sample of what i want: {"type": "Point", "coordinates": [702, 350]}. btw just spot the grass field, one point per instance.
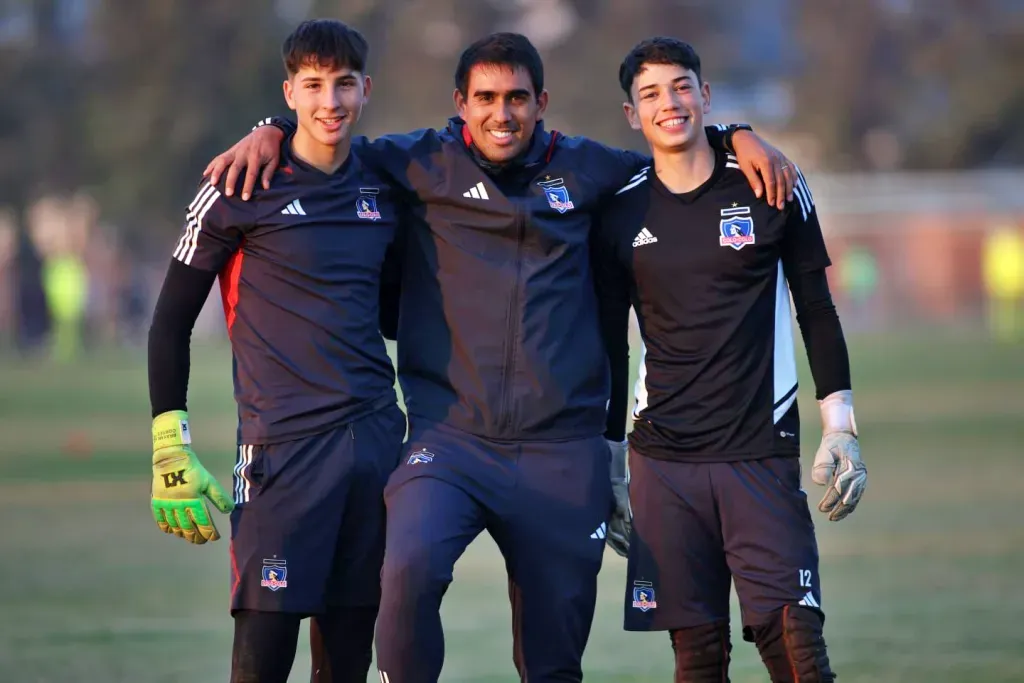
{"type": "Point", "coordinates": [925, 583]}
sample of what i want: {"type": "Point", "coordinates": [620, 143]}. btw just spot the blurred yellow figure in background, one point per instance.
{"type": "Point", "coordinates": [1003, 273]}
{"type": "Point", "coordinates": [65, 282]}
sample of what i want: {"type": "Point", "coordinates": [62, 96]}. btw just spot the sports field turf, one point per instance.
{"type": "Point", "coordinates": [925, 583]}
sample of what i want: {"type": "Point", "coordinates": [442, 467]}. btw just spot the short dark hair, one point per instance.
{"type": "Point", "coordinates": [501, 49]}
{"type": "Point", "coordinates": [657, 50]}
{"type": "Point", "coordinates": [327, 43]}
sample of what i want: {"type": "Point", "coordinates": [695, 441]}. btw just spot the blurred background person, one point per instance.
{"type": "Point", "coordinates": [1003, 268]}
{"type": "Point", "coordinates": [857, 272]}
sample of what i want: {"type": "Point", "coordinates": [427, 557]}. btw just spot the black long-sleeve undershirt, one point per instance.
{"type": "Point", "coordinates": [819, 324]}
{"type": "Point", "coordinates": [182, 296]}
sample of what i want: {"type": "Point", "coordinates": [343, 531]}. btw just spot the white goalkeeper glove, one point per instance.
{"type": "Point", "coordinates": [837, 464]}
{"type": "Point", "coordinates": [621, 522]}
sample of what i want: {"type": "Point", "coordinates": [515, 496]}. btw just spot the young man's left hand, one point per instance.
{"type": "Point", "coordinates": [758, 160]}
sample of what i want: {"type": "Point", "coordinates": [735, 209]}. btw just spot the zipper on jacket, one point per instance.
{"type": "Point", "coordinates": [512, 345]}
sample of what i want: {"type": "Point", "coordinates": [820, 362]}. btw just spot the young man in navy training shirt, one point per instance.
{"type": "Point", "coordinates": [319, 425]}
{"type": "Point", "coordinates": [502, 365]}
{"type": "Point", "coordinates": [714, 468]}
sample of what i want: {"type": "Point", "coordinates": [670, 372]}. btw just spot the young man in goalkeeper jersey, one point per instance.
{"type": "Point", "coordinates": [714, 453]}
{"type": "Point", "coordinates": [301, 270]}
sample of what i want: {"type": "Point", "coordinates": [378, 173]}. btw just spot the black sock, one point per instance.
{"type": "Point", "coordinates": [264, 647]}
{"type": "Point", "coordinates": [347, 638]}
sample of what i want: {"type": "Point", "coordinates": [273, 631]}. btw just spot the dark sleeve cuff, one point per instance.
{"type": "Point", "coordinates": [615, 330]}
{"type": "Point", "coordinates": [286, 125]}
{"type": "Point", "coordinates": [391, 286]}
{"type": "Point", "coordinates": [615, 427]}
{"type": "Point", "coordinates": [181, 300]}
{"type": "Point", "coordinates": [720, 136]}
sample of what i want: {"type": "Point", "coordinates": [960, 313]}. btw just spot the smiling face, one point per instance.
{"type": "Point", "coordinates": [668, 105]}
{"type": "Point", "coordinates": [327, 101]}
{"type": "Point", "coordinates": [500, 109]}
{"type": "Point", "coordinates": [326, 86]}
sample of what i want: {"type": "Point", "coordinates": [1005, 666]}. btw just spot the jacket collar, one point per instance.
{"type": "Point", "coordinates": [539, 152]}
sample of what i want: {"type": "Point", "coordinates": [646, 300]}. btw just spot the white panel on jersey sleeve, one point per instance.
{"type": "Point", "coordinates": [640, 388]}
{"type": "Point", "coordinates": [785, 355]}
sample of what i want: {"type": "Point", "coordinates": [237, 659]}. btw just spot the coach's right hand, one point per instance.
{"type": "Point", "coordinates": [621, 522]}
{"type": "Point", "coordinates": [260, 149]}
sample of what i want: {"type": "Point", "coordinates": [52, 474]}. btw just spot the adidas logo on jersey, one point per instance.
{"type": "Point", "coordinates": [478, 191]}
{"type": "Point", "coordinates": [644, 237]}
{"type": "Point", "coordinates": [294, 209]}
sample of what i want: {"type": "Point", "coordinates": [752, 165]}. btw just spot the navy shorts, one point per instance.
{"type": "Point", "coordinates": [698, 527]}
{"type": "Point", "coordinates": [308, 531]}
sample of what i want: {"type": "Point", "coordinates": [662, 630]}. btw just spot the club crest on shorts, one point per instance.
{"type": "Point", "coordinates": [366, 205]}
{"type": "Point", "coordinates": [736, 227]}
{"type": "Point", "coordinates": [420, 456]}
{"type": "Point", "coordinates": [557, 194]}
{"type": "Point", "coordinates": [643, 596]}
{"type": "Point", "coordinates": [275, 574]}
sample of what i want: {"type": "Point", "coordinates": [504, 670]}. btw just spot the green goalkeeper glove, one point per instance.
{"type": "Point", "coordinates": [180, 482]}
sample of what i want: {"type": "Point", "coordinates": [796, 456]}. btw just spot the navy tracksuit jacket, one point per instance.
{"type": "Point", "coordinates": [498, 334]}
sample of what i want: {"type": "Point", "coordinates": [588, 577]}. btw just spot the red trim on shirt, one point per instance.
{"type": "Point", "coordinates": [229, 278]}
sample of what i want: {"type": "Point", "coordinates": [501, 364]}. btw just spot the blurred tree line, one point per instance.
{"type": "Point", "coordinates": [127, 100]}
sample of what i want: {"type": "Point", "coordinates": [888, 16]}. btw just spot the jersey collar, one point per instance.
{"type": "Point", "coordinates": [292, 165]}
{"type": "Point", "coordinates": [696, 193]}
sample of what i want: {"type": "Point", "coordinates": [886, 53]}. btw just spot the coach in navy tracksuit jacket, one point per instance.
{"type": "Point", "coordinates": [507, 383]}
{"type": "Point", "coordinates": [506, 380]}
